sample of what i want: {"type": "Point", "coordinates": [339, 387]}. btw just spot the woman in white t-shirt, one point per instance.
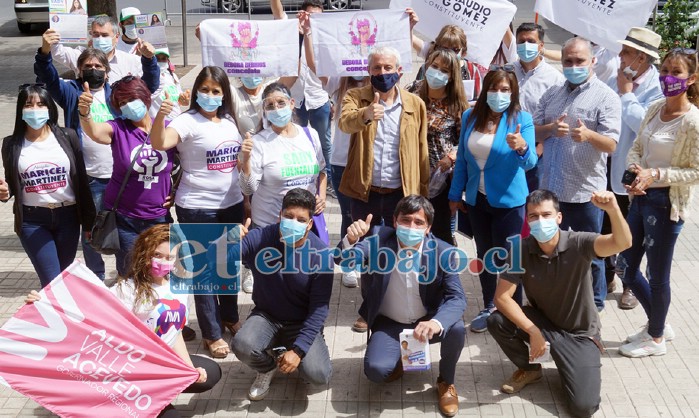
{"type": "Point", "coordinates": [146, 292]}
{"type": "Point", "coordinates": [280, 158]}
{"type": "Point", "coordinates": [169, 88]}
{"type": "Point", "coordinates": [208, 142]}
{"type": "Point", "coordinates": [45, 172]}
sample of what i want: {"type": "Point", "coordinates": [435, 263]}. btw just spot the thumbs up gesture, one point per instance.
{"type": "Point", "coordinates": [581, 133]}
{"type": "Point", "coordinates": [244, 228]}
{"type": "Point", "coordinates": [515, 140]}
{"type": "Point", "coordinates": [166, 107]}
{"type": "Point", "coordinates": [374, 111]}
{"type": "Point", "coordinates": [358, 229]}
{"type": "Point", "coordinates": [246, 148]}
{"type": "Point", "coordinates": [85, 101]}
{"type": "Point", "coordinates": [4, 190]}
{"type": "Point", "coordinates": [145, 48]}
{"type": "Point", "coordinates": [185, 97]}
{"type": "Point", "coordinates": [560, 127]}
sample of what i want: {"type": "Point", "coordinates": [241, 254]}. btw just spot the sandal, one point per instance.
{"type": "Point", "coordinates": [218, 348]}
{"type": "Point", "coordinates": [232, 327]}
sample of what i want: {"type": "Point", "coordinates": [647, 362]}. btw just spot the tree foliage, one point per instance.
{"type": "Point", "coordinates": [676, 25]}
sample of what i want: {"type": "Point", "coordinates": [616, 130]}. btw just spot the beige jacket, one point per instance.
{"type": "Point", "coordinates": [413, 153]}
{"type": "Point", "coordinates": [683, 172]}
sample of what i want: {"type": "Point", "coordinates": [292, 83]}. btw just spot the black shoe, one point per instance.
{"type": "Point", "coordinates": [188, 334]}
{"type": "Point", "coordinates": [330, 192]}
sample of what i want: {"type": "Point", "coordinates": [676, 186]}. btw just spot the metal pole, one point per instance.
{"type": "Point", "coordinates": [655, 16]}
{"type": "Point", "coordinates": [184, 30]}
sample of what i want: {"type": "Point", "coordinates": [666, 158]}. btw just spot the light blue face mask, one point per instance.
{"type": "Point", "coordinates": [435, 78]}
{"type": "Point", "coordinates": [498, 101]}
{"type": "Point", "coordinates": [209, 103]}
{"type": "Point", "coordinates": [292, 231]}
{"type": "Point", "coordinates": [134, 110]}
{"type": "Point", "coordinates": [543, 230]}
{"type": "Point", "coordinates": [409, 237]}
{"type": "Point", "coordinates": [251, 82]}
{"type": "Point", "coordinates": [527, 51]}
{"type": "Point", "coordinates": [104, 44]}
{"type": "Point", "coordinates": [36, 118]}
{"type": "Point", "coordinates": [576, 75]}
{"type": "Point", "coordinates": [358, 77]}
{"type": "Point", "coordinates": [279, 117]}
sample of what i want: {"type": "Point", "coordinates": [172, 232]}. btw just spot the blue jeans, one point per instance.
{"type": "Point", "coordinates": [50, 238]}
{"type": "Point", "coordinates": [586, 217]}
{"type": "Point", "coordinates": [260, 333]}
{"type": "Point", "coordinates": [320, 121]}
{"type": "Point", "coordinates": [344, 201]}
{"type": "Point", "coordinates": [383, 350]}
{"type": "Point", "coordinates": [213, 310]}
{"type": "Point", "coordinates": [491, 228]}
{"type": "Point", "coordinates": [93, 259]}
{"type": "Point", "coordinates": [129, 229]}
{"type": "Point", "coordinates": [655, 235]}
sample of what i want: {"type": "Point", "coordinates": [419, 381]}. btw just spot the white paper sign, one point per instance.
{"type": "Point", "coordinates": [414, 355]}
{"type": "Point", "coordinates": [150, 28]}
{"type": "Point", "coordinates": [469, 88]}
{"type": "Point", "coordinates": [484, 21]}
{"type": "Point", "coordinates": [251, 48]}
{"type": "Point", "coordinates": [69, 18]}
{"type": "Point", "coordinates": [342, 41]}
{"type": "Point", "coordinates": [604, 22]}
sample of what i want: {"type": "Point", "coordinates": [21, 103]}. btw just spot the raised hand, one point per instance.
{"type": "Point", "coordinates": [358, 229]}
{"type": "Point", "coordinates": [246, 148]}
{"type": "Point", "coordinates": [145, 48]}
{"type": "Point", "coordinates": [85, 101]}
{"type": "Point", "coordinates": [50, 37]}
{"type": "Point", "coordinates": [166, 107]}
{"type": "Point", "coordinates": [515, 140]}
{"type": "Point", "coordinates": [560, 127]}
{"type": "Point", "coordinates": [581, 133]}
{"type": "Point", "coordinates": [375, 110]}
{"type": "Point", "coordinates": [604, 200]}
{"type": "Point", "coordinates": [185, 97]}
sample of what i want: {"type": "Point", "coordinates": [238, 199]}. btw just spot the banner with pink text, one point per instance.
{"type": "Point", "coordinates": [80, 353]}
{"type": "Point", "coordinates": [342, 41]}
{"type": "Point", "coordinates": [251, 48]}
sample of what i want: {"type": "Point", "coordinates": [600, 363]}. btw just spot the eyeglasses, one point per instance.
{"type": "Point", "coordinates": [510, 68]}
{"type": "Point", "coordinates": [28, 85]}
{"type": "Point", "coordinates": [276, 104]}
{"type": "Point", "coordinates": [127, 79]}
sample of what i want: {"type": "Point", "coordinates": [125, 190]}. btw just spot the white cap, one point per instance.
{"type": "Point", "coordinates": [127, 12]}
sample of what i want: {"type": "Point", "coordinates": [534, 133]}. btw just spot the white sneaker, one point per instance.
{"type": "Point", "coordinates": [247, 280]}
{"type": "Point", "coordinates": [350, 278]}
{"type": "Point", "coordinates": [642, 334]}
{"type": "Point", "coordinates": [643, 349]}
{"type": "Point", "coordinates": [260, 386]}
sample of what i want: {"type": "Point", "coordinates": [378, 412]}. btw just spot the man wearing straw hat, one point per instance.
{"type": "Point", "coordinates": [638, 86]}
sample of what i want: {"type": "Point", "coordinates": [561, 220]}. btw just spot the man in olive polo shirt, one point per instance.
{"type": "Point", "coordinates": [561, 312]}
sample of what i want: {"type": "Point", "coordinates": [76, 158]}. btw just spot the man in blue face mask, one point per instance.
{"type": "Point", "coordinates": [398, 296]}
{"type": "Point", "coordinates": [578, 121]}
{"type": "Point", "coordinates": [561, 317]}
{"type": "Point", "coordinates": [291, 299]}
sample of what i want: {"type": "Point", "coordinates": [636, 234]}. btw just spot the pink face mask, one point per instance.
{"type": "Point", "coordinates": [160, 267]}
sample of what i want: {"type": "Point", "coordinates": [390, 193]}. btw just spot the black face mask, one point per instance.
{"type": "Point", "coordinates": [94, 78]}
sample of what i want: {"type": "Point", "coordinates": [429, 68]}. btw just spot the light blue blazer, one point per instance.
{"type": "Point", "coordinates": [504, 171]}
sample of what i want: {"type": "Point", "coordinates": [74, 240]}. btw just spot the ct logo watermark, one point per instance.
{"type": "Point", "coordinates": [207, 259]}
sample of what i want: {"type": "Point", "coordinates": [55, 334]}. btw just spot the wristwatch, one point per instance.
{"type": "Point", "coordinates": [298, 352]}
{"type": "Point", "coordinates": [655, 173]}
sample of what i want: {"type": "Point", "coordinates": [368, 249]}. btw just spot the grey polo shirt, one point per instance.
{"type": "Point", "coordinates": [560, 286]}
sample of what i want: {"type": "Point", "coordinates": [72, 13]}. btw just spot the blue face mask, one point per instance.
{"type": "Point", "coordinates": [209, 103]}
{"type": "Point", "coordinates": [527, 51]}
{"type": "Point", "coordinates": [544, 230]}
{"type": "Point", "coordinates": [358, 77]}
{"type": "Point", "coordinates": [251, 82]}
{"type": "Point", "coordinates": [134, 110]}
{"type": "Point", "coordinates": [576, 75]}
{"type": "Point", "coordinates": [435, 78]}
{"type": "Point", "coordinates": [498, 101]}
{"type": "Point", "coordinates": [279, 117]}
{"type": "Point", "coordinates": [291, 230]}
{"type": "Point", "coordinates": [384, 82]}
{"type": "Point", "coordinates": [36, 118]}
{"type": "Point", "coordinates": [409, 237]}
{"type": "Point", "coordinates": [104, 44]}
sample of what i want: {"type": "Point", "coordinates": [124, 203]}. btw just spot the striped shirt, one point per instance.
{"type": "Point", "coordinates": [571, 169]}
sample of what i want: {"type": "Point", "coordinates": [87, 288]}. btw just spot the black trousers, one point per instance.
{"type": "Point", "coordinates": [577, 357]}
{"type": "Point", "coordinates": [213, 375]}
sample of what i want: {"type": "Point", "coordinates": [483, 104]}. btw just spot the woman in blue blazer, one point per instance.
{"type": "Point", "coordinates": [495, 149]}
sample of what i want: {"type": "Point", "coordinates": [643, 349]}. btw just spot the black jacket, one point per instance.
{"type": "Point", "coordinates": [69, 141]}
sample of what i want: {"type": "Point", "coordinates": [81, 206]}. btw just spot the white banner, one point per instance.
{"type": "Point", "coordinates": [251, 48]}
{"type": "Point", "coordinates": [342, 41]}
{"type": "Point", "coordinates": [484, 21]}
{"type": "Point", "coordinates": [604, 22]}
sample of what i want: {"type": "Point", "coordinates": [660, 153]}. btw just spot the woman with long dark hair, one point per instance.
{"type": "Point", "coordinates": [665, 160]}
{"type": "Point", "coordinates": [45, 172]}
{"type": "Point", "coordinates": [495, 149]}
{"type": "Point", "coordinates": [443, 92]}
{"type": "Point", "coordinates": [207, 141]}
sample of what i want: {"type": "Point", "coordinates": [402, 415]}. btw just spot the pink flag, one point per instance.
{"type": "Point", "coordinates": [80, 353]}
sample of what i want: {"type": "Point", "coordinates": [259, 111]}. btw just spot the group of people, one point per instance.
{"type": "Point", "coordinates": [535, 152]}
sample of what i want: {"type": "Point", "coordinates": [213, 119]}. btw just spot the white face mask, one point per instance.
{"type": "Point", "coordinates": [164, 66]}
{"type": "Point", "coordinates": [628, 72]}
{"type": "Point", "coordinates": [130, 31]}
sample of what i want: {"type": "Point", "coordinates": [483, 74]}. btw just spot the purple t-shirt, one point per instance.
{"type": "Point", "coordinates": [149, 183]}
